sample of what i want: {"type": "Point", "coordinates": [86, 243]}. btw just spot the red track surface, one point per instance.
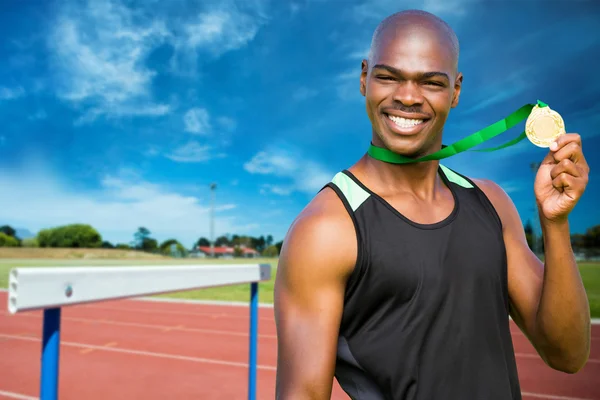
{"type": "Point", "coordinates": [155, 350]}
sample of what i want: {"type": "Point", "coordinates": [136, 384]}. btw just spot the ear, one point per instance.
{"type": "Point", "coordinates": [363, 77]}
{"type": "Point", "coordinates": [457, 88]}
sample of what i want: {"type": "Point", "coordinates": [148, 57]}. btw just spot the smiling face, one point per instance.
{"type": "Point", "coordinates": [410, 85]}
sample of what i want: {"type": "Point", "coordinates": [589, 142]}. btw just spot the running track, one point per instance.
{"type": "Point", "coordinates": [133, 349]}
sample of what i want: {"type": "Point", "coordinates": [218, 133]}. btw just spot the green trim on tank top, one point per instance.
{"type": "Point", "coordinates": [355, 195]}
{"type": "Point", "coordinates": [454, 177]}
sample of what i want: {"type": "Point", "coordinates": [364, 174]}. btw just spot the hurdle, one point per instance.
{"type": "Point", "coordinates": [51, 288]}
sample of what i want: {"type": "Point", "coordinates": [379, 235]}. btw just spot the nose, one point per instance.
{"type": "Point", "coordinates": [408, 93]}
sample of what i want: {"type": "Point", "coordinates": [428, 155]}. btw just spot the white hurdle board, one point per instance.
{"type": "Point", "coordinates": [35, 288]}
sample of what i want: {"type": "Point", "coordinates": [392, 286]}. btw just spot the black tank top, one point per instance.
{"type": "Point", "coordinates": [426, 308]}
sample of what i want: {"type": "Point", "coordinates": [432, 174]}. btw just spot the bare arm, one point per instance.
{"type": "Point", "coordinates": [548, 300]}
{"type": "Point", "coordinates": [316, 258]}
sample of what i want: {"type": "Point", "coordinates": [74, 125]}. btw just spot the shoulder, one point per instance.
{"type": "Point", "coordinates": [500, 200]}
{"type": "Point", "coordinates": [321, 237]}
{"type": "Point", "coordinates": [493, 191]}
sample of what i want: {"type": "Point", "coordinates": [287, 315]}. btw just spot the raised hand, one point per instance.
{"type": "Point", "coordinates": [561, 178]}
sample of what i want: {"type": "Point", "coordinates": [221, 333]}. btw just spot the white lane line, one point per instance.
{"type": "Point", "coordinates": [550, 396]}
{"type": "Point", "coordinates": [13, 395]}
{"type": "Point", "coordinates": [536, 356]}
{"type": "Point", "coordinates": [146, 353]}
{"type": "Point", "coordinates": [594, 321]}
{"type": "Point", "coordinates": [149, 326]}
{"type": "Point", "coordinates": [173, 312]}
{"type": "Point", "coordinates": [242, 304]}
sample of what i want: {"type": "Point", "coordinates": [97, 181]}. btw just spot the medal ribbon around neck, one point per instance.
{"type": "Point", "coordinates": [466, 143]}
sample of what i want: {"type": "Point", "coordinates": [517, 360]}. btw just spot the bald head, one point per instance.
{"type": "Point", "coordinates": [419, 25]}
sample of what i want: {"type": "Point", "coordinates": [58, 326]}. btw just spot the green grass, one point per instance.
{"type": "Point", "coordinates": [590, 273]}
{"type": "Point", "coordinates": [227, 293]}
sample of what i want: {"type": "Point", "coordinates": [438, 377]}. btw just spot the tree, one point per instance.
{"type": "Point", "coordinates": [578, 241]}
{"type": "Point", "coordinates": [529, 234]}
{"type": "Point", "coordinates": [589, 242]}
{"type": "Point", "coordinates": [237, 251]}
{"type": "Point", "coordinates": [271, 251]}
{"type": "Point", "coordinates": [149, 245]}
{"type": "Point", "coordinates": [73, 235]}
{"type": "Point", "coordinates": [259, 243]}
{"type": "Point", "coordinates": [203, 242]}
{"type": "Point", "coordinates": [8, 241]}
{"type": "Point", "coordinates": [592, 237]}
{"type": "Point", "coordinates": [222, 241]}
{"type": "Point", "coordinates": [8, 230]}
{"type": "Point", "coordinates": [166, 248]}
{"type": "Point", "coordinates": [140, 236]}
{"type": "Point", "coordinates": [30, 242]}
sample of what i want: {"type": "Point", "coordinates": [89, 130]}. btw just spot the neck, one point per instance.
{"type": "Point", "coordinates": [420, 179]}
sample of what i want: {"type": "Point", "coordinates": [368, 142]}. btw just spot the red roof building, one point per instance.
{"type": "Point", "coordinates": [227, 251]}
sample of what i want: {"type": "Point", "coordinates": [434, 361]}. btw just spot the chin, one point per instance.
{"type": "Point", "coordinates": [407, 147]}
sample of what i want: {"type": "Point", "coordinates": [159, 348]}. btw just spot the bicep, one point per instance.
{"type": "Point", "coordinates": [309, 294]}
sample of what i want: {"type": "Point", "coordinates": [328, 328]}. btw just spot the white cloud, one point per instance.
{"type": "Point", "coordinates": [512, 186]}
{"type": "Point", "coordinates": [122, 110]}
{"type": "Point", "coordinates": [99, 50]}
{"type": "Point", "coordinates": [197, 120]}
{"type": "Point", "coordinates": [361, 54]}
{"type": "Point", "coordinates": [194, 152]}
{"type": "Point", "coordinates": [301, 174]}
{"type": "Point", "coordinates": [225, 207]}
{"type": "Point", "coordinates": [276, 189]}
{"type": "Point", "coordinates": [227, 27]}
{"type": "Point", "coordinates": [11, 93]}
{"type": "Point", "coordinates": [269, 162]}
{"type": "Point", "coordinates": [375, 10]}
{"type": "Point", "coordinates": [98, 53]}
{"type": "Point", "coordinates": [123, 202]}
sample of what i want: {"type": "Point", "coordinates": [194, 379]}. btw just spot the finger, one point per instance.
{"type": "Point", "coordinates": [563, 181]}
{"type": "Point", "coordinates": [564, 140]}
{"type": "Point", "coordinates": [566, 166]}
{"type": "Point", "coordinates": [571, 151]}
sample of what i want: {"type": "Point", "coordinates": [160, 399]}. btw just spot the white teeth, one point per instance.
{"type": "Point", "coordinates": [404, 122]}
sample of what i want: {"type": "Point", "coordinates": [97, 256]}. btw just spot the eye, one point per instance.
{"type": "Point", "coordinates": [384, 77]}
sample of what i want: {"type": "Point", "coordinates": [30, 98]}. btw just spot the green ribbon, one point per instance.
{"type": "Point", "coordinates": [466, 143]}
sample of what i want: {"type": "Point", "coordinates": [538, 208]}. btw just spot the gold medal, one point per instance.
{"type": "Point", "coordinates": [544, 126]}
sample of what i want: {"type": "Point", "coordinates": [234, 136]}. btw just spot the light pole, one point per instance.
{"type": "Point", "coordinates": [213, 186]}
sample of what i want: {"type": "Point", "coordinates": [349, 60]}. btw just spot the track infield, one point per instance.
{"type": "Point", "coordinates": [168, 349]}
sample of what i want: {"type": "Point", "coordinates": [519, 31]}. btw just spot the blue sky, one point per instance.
{"type": "Point", "coordinates": [121, 113]}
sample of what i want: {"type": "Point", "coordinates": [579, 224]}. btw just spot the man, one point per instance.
{"type": "Point", "coordinates": [398, 279]}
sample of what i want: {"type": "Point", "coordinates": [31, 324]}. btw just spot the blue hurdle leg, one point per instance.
{"type": "Point", "coordinates": [50, 354]}
{"type": "Point", "coordinates": [253, 340]}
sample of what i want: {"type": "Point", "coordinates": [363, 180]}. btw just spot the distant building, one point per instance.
{"type": "Point", "coordinates": [225, 252]}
